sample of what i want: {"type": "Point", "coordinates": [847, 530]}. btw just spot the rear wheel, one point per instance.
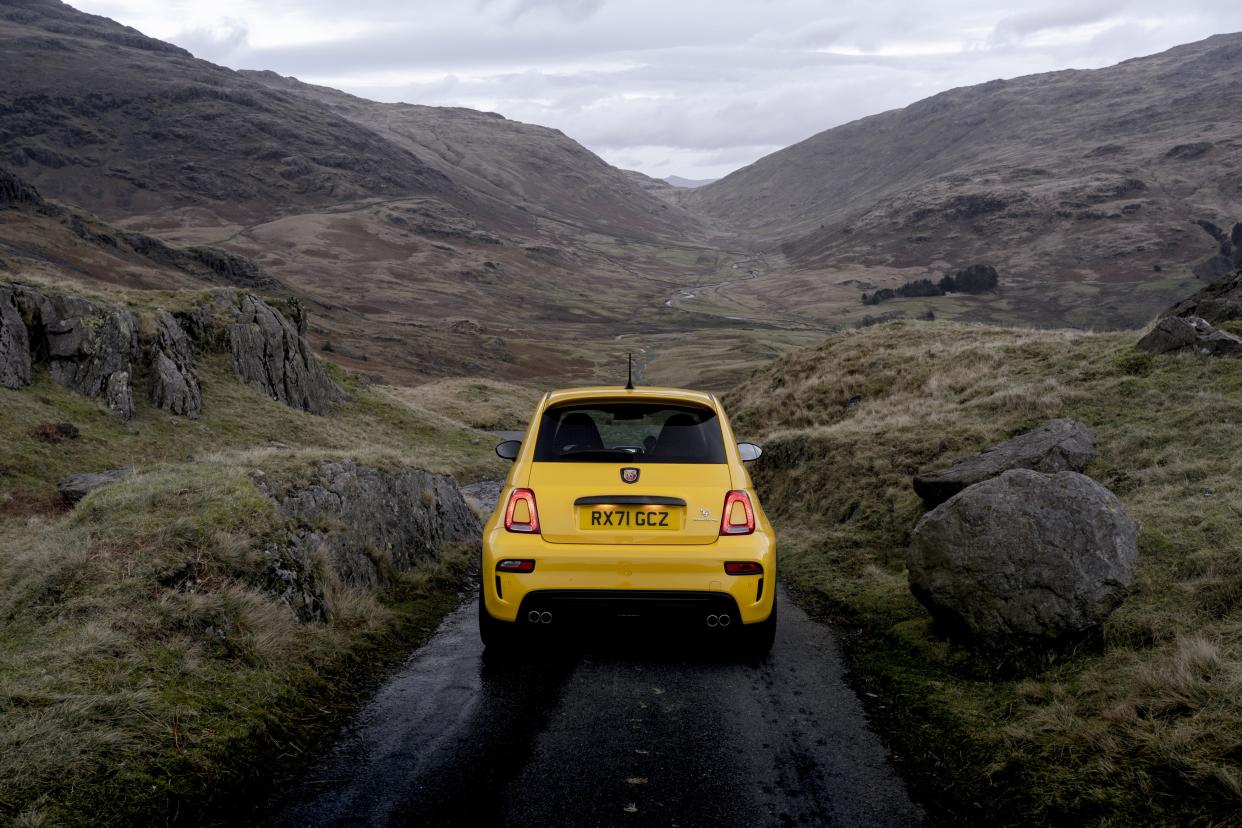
{"type": "Point", "coordinates": [496, 635]}
{"type": "Point", "coordinates": [760, 637]}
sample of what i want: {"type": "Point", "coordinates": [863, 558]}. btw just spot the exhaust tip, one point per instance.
{"type": "Point", "coordinates": [712, 620]}
{"type": "Point", "coordinates": [545, 617]}
{"type": "Point", "coordinates": [533, 616]}
{"type": "Point", "coordinates": [724, 620]}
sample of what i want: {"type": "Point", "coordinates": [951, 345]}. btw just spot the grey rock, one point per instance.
{"type": "Point", "coordinates": [269, 353]}
{"type": "Point", "coordinates": [1177, 333]}
{"type": "Point", "coordinates": [1057, 445]}
{"type": "Point", "coordinates": [89, 348]}
{"type": "Point", "coordinates": [366, 524]}
{"type": "Point", "coordinates": [174, 384]}
{"type": "Point", "coordinates": [1220, 301]}
{"type": "Point", "coordinates": [73, 489]}
{"type": "Point", "coordinates": [15, 367]}
{"type": "Point", "coordinates": [1024, 557]}
{"type": "Point", "coordinates": [483, 495]}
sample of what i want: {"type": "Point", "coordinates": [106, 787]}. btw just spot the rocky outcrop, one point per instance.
{"type": "Point", "coordinates": [92, 348]}
{"type": "Point", "coordinates": [1057, 445]}
{"type": "Point", "coordinates": [89, 347]}
{"type": "Point", "coordinates": [366, 524]}
{"type": "Point", "coordinates": [73, 489]}
{"type": "Point", "coordinates": [174, 385]}
{"type": "Point", "coordinates": [1024, 557]}
{"type": "Point", "coordinates": [269, 353]}
{"type": "Point", "coordinates": [1228, 256]}
{"type": "Point", "coordinates": [1176, 333]}
{"type": "Point", "coordinates": [209, 263]}
{"type": "Point", "coordinates": [15, 192]}
{"type": "Point", "coordinates": [15, 368]}
{"type": "Point", "coordinates": [1218, 302]}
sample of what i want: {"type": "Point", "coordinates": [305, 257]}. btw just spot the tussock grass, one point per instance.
{"type": "Point", "coordinates": [1142, 726]}
{"type": "Point", "coordinates": [147, 673]}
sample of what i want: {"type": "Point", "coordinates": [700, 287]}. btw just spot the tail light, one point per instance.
{"type": "Point", "coordinates": [516, 565]}
{"type": "Point", "coordinates": [743, 568]}
{"type": "Point", "coordinates": [521, 514]}
{"type": "Point", "coordinates": [738, 517]}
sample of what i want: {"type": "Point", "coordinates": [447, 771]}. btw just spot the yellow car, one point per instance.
{"type": "Point", "coordinates": [629, 504]}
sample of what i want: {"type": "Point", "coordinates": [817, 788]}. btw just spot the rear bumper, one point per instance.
{"type": "Point", "coordinates": [652, 582]}
{"type": "Point", "coordinates": [574, 607]}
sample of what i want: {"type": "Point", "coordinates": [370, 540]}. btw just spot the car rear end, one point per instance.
{"type": "Point", "coordinates": [628, 504]}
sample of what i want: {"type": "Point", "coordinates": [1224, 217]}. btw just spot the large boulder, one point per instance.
{"type": "Point", "coordinates": [269, 353]}
{"type": "Point", "coordinates": [1191, 333]}
{"type": "Point", "coordinates": [367, 524]}
{"type": "Point", "coordinates": [174, 385]}
{"type": "Point", "coordinates": [73, 489]}
{"type": "Point", "coordinates": [15, 368]}
{"type": "Point", "coordinates": [1057, 445]}
{"type": "Point", "coordinates": [1024, 557]}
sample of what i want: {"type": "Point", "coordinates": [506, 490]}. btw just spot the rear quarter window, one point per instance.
{"type": "Point", "coordinates": [629, 432]}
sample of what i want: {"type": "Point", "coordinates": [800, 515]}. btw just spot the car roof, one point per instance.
{"type": "Point", "coordinates": [644, 394]}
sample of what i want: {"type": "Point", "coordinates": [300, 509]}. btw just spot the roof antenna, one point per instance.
{"type": "Point", "coordinates": [629, 378]}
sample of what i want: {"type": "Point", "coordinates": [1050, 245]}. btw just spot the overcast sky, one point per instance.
{"type": "Point", "coordinates": [688, 87]}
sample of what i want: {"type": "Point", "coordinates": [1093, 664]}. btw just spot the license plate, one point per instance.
{"type": "Point", "coordinates": [629, 519]}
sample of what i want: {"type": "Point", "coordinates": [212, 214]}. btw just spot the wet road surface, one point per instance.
{"type": "Point", "coordinates": [626, 732]}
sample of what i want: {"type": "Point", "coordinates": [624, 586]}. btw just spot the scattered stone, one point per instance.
{"type": "Point", "coordinates": [269, 353]}
{"type": "Point", "coordinates": [1057, 445]}
{"type": "Point", "coordinates": [174, 385]}
{"type": "Point", "coordinates": [15, 367]}
{"type": "Point", "coordinates": [1024, 556]}
{"type": "Point", "coordinates": [1176, 333]}
{"type": "Point", "coordinates": [73, 489]}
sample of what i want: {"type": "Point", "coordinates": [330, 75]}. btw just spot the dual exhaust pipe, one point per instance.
{"type": "Point", "coordinates": [545, 617]}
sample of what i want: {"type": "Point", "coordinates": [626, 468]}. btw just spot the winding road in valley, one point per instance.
{"type": "Point", "coordinates": [626, 731]}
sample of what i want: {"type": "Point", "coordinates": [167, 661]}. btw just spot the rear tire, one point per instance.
{"type": "Point", "coordinates": [760, 637]}
{"type": "Point", "coordinates": [497, 635]}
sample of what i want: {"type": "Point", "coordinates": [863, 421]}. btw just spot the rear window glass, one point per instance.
{"type": "Point", "coordinates": [630, 433]}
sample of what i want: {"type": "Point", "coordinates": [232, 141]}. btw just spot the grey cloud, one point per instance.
{"type": "Point", "coordinates": [568, 9]}
{"type": "Point", "coordinates": [704, 84]}
{"type": "Point", "coordinates": [1056, 17]}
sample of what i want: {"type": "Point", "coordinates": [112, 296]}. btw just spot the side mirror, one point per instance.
{"type": "Point", "coordinates": [508, 450]}
{"type": "Point", "coordinates": [749, 452]}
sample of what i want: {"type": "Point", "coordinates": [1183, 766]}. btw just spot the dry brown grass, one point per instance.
{"type": "Point", "coordinates": [1147, 726]}
{"type": "Point", "coordinates": [475, 401]}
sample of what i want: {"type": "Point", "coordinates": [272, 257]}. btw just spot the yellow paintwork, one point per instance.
{"type": "Point", "coordinates": [696, 566]}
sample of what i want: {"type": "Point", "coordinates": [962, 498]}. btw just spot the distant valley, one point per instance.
{"type": "Point", "coordinates": [432, 242]}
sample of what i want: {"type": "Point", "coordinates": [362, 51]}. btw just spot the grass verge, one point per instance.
{"type": "Point", "coordinates": [148, 672]}
{"type": "Point", "coordinates": [1143, 725]}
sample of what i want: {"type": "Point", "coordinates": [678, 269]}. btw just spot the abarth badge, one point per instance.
{"type": "Point", "coordinates": [629, 475]}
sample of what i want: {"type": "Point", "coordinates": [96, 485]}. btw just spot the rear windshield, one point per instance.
{"type": "Point", "coordinates": [629, 432]}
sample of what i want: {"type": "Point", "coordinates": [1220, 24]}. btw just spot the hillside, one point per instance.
{"type": "Point", "coordinates": [1074, 180]}
{"type": "Point", "coordinates": [423, 237]}
{"type": "Point", "coordinates": [1139, 727]}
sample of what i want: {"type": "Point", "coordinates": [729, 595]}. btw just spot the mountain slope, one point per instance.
{"type": "Point", "coordinates": [535, 168]}
{"type": "Point", "coordinates": [1063, 176]}
{"type": "Point", "coordinates": [430, 241]}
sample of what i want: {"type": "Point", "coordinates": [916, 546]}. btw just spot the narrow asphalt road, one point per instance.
{"type": "Point", "coordinates": [625, 732]}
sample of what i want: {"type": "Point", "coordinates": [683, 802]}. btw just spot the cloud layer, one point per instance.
{"type": "Point", "coordinates": [694, 88]}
